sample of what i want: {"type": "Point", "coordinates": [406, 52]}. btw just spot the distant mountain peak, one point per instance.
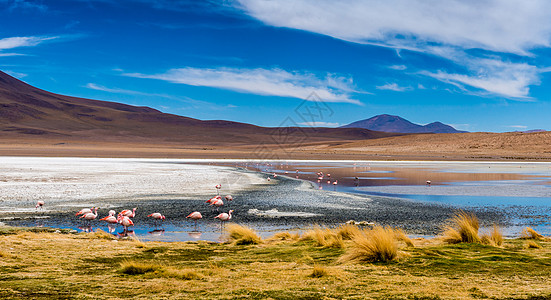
{"type": "Point", "coordinates": [391, 123]}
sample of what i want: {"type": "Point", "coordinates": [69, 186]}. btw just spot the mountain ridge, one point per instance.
{"type": "Point", "coordinates": [397, 124]}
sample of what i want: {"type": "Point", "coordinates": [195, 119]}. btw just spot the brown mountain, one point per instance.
{"type": "Point", "coordinates": [389, 123]}
{"type": "Point", "coordinates": [29, 112]}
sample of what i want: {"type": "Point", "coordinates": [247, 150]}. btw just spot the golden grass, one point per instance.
{"type": "Point", "coordinates": [324, 237]}
{"type": "Point", "coordinates": [372, 245]}
{"type": "Point", "coordinates": [71, 266]}
{"type": "Point", "coordinates": [493, 238]}
{"type": "Point", "coordinates": [130, 267]}
{"type": "Point", "coordinates": [532, 245]}
{"type": "Point", "coordinates": [242, 235]}
{"type": "Point", "coordinates": [182, 274]}
{"type": "Point", "coordinates": [402, 236]}
{"type": "Point", "coordinates": [319, 271]}
{"type": "Point", "coordinates": [530, 234]}
{"type": "Point", "coordinates": [100, 234]}
{"type": "Point", "coordinates": [462, 228]}
{"type": "Point", "coordinates": [285, 236]}
{"type": "Point", "coordinates": [347, 231]}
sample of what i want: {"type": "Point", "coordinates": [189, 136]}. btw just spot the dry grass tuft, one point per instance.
{"type": "Point", "coordinates": [324, 237]}
{"type": "Point", "coordinates": [530, 234]}
{"type": "Point", "coordinates": [185, 274]}
{"type": "Point", "coordinates": [319, 271]}
{"type": "Point", "coordinates": [242, 235]}
{"type": "Point", "coordinates": [285, 236]}
{"type": "Point", "coordinates": [532, 245]}
{"type": "Point", "coordinates": [347, 231]}
{"type": "Point", "coordinates": [493, 238]}
{"type": "Point", "coordinates": [5, 254]}
{"type": "Point", "coordinates": [402, 236]}
{"type": "Point", "coordinates": [100, 234]}
{"type": "Point", "coordinates": [137, 242]}
{"type": "Point", "coordinates": [372, 245]}
{"type": "Point", "coordinates": [136, 268]}
{"type": "Point", "coordinates": [462, 228]}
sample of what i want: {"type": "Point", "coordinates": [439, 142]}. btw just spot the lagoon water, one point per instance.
{"type": "Point", "coordinates": [514, 195]}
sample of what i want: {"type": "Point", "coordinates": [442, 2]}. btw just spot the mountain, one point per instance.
{"type": "Point", "coordinates": [389, 123]}
{"type": "Point", "coordinates": [26, 112]}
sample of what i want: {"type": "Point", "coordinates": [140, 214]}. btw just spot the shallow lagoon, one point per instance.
{"type": "Point", "coordinates": [391, 193]}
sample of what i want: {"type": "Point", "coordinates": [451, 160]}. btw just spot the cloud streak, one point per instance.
{"type": "Point", "coordinates": [394, 87]}
{"type": "Point", "coordinates": [266, 82]}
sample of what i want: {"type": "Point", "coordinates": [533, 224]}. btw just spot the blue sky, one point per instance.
{"type": "Point", "coordinates": [477, 65]}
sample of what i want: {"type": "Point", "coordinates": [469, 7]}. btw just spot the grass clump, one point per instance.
{"type": "Point", "coordinates": [136, 268]}
{"type": "Point", "coordinates": [462, 228]}
{"type": "Point", "coordinates": [530, 234]}
{"type": "Point", "coordinates": [493, 238]}
{"type": "Point", "coordinates": [372, 245]}
{"type": "Point", "coordinates": [242, 235]}
{"type": "Point", "coordinates": [285, 236]}
{"type": "Point", "coordinates": [185, 274]}
{"type": "Point", "coordinates": [100, 234]}
{"type": "Point", "coordinates": [347, 231]}
{"type": "Point", "coordinates": [402, 236]}
{"type": "Point", "coordinates": [319, 271]}
{"type": "Point", "coordinates": [324, 237]}
{"type": "Point", "coordinates": [532, 245]}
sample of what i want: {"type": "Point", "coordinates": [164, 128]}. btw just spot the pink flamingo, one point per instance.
{"type": "Point", "coordinates": [90, 216]}
{"type": "Point", "coordinates": [157, 217]}
{"type": "Point", "coordinates": [84, 211]}
{"type": "Point", "coordinates": [229, 198]}
{"type": "Point", "coordinates": [112, 212]}
{"type": "Point", "coordinates": [39, 204]}
{"type": "Point", "coordinates": [195, 216]}
{"type": "Point", "coordinates": [218, 187]}
{"type": "Point", "coordinates": [128, 213]}
{"type": "Point", "coordinates": [126, 222]}
{"type": "Point", "coordinates": [217, 203]}
{"type": "Point", "coordinates": [213, 199]}
{"type": "Point", "coordinates": [109, 219]}
{"type": "Point", "coordinates": [224, 217]}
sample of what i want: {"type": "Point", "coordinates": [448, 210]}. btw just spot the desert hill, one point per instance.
{"type": "Point", "coordinates": [26, 112]}
{"type": "Point", "coordinates": [390, 123]}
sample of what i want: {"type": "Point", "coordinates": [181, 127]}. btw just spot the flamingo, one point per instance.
{"type": "Point", "coordinates": [429, 182]}
{"type": "Point", "coordinates": [217, 203]}
{"type": "Point", "coordinates": [90, 216]}
{"type": "Point", "coordinates": [112, 212]}
{"type": "Point", "coordinates": [229, 198]}
{"type": "Point", "coordinates": [157, 217]}
{"type": "Point", "coordinates": [218, 187]}
{"type": "Point", "coordinates": [195, 216]}
{"type": "Point", "coordinates": [224, 217]}
{"type": "Point", "coordinates": [128, 213]}
{"type": "Point", "coordinates": [111, 219]}
{"type": "Point", "coordinates": [84, 211]}
{"type": "Point", "coordinates": [39, 204]}
{"type": "Point", "coordinates": [126, 222]}
{"type": "Point", "coordinates": [213, 199]}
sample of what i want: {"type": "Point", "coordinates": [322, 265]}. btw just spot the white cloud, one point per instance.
{"type": "Point", "coordinates": [15, 74]}
{"type": "Point", "coordinates": [511, 80]}
{"type": "Point", "coordinates": [394, 87]}
{"type": "Point", "coordinates": [320, 124]}
{"type": "Point", "coordinates": [273, 82]}
{"type": "Point", "coordinates": [398, 67]}
{"type": "Point", "coordinates": [517, 126]}
{"type": "Point", "coordinates": [192, 102]}
{"type": "Point", "coordinates": [445, 29]}
{"type": "Point", "coordinates": [496, 25]}
{"type": "Point", "coordinates": [22, 41]}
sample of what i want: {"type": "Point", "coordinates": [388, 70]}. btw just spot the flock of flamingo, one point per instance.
{"type": "Point", "coordinates": [124, 218]}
